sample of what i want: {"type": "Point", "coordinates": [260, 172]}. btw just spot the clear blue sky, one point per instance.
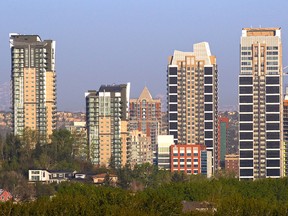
{"type": "Point", "coordinates": [105, 42]}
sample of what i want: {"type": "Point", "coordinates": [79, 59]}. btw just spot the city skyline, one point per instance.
{"type": "Point", "coordinates": [134, 40]}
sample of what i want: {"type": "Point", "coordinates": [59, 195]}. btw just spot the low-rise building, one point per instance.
{"type": "Point", "coordinates": [191, 159]}
{"type": "Point", "coordinates": [5, 195]}
{"type": "Point", "coordinates": [49, 176]}
{"type": "Point", "coordinates": [101, 178]}
{"type": "Point", "coordinates": [163, 152]}
{"type": "Point", "coordinates": [232, 164]}
{"type": "Point", "coordinates": [38, 176]}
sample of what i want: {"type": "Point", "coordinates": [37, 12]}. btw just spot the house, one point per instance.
{"type": "Point", "coordinates": [38, 176]}
{"type": "Point", "coordinates": [60, 176]}
{"type": "Point", "coordinates": [49, 176]}
{"type": "Point", "coordinates": [5, 196]}
{"type": "Point", "coordinates": [100, 178]}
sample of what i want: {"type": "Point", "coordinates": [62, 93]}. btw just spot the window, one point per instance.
{"type": "Point", "coordinates": [208, 125]}
{"type": "Point", "coordinates": [246, 135]}
{"type": "Point", "coordinates": [273, 153]}
{"type": "Point", "coordinates": [173, 107]}
{"type": "Point", "coordinates": [272, 117]}
{"type": "Point", "coordinates": [208, 71]}
{"type": "Point", "coordinates": [273, 135]}
{"type": "Point", "coordinates": [246, 154]}
{"type": "Point", "coordinates": [246, 126]}
{"type": "Point", "coordinates": [209, 143]}
{"type": "Point", "coordinates": [208, 98]}
{"type": "Point", "coordinates": [273, 163]}
{"type": "Point", "coordinates": [245, 81]}
{"type": "Point", "coordinates": [173, 70]}
{"type": "Point", "coordinates": [246, 144]}
{"type": "Point", "coordinates": [273, 172]}
{"type": "Point", "coordinates": [208, 89]}
{"type": "Point", "coordinates": [272, 126]}
{"type": "Point", "coordinates": [208, 80]}
{"type": "Point", "coordinates": [246, 108]}
{"type": "Point", "coordinates": [272, 80]}
{"type": "Point", "coordinates": [246, 99]}
{"type": "Point", "coordinates": [173, 89]}
{"type": "Point", "coordinates": [272, 99]}
{"type": "Point", "coordinates": [173, 116]}
{"type": "Point", "coordinates": [208, 116]}
{"type": "Point", "coordinates": [173, 125]}
{"type": "Point", "coordinates": [173, 98]}
{"type": "Point", "coordinates": [246, 90]}
{"type": "Point", "coordinates": [272, 108]}
{"type": "Point", "coordinates": [208, 107]}
{"type": "Point", "coordinates": [208, 134]}
{"type": "Point", "coordinates": [273, 144]}
{"type": "Point", "coordinates": [246, 117]}
{"type": "Point", "coordinates": [272, 89]}
{"type": "Point", "coordinates": [246, 172]}
{"type": "Point", "coordinates": [246, 163]}
{"type": "Point", "coordinates": [172, 80]}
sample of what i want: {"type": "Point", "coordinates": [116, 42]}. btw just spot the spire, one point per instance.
{"type": "Point", "coordinates": [145, 94]}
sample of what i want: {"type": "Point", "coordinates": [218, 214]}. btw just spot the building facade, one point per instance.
{"type": "Point", "coordinates": [33, 80]}
{"type": "Point", "coordinates": [285, 132]}
{"type": "Point", "coordinates": [80, 145]}
{"type": "Point", "coordinates": [191, 159]}
{"type": "Point", "coordinates": [145, 116]}
{"type": "Point", "coordinates": [163, 152]}
{"type": "Point", "coordinates": [260, 104]}
{"type": "Point", "coordinates": [232, 164]}
{"type": "Point", "coordinates": [192, 98]}
{"type": "Point", "coordinates": [140, 150]}
{"type": "Point", "coordinates": [107, 124]}
{"type": "Point", "coordinates": [223, 124]}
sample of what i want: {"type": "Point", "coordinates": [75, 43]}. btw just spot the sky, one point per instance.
{"type": "Point", "coordinates": [119, 41]}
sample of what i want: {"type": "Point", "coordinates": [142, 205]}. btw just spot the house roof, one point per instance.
{"type": "Point", "coordinates": [102, 175]}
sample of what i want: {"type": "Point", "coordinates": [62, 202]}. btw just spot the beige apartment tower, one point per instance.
{"type": "Point", "coordinates": [107, 124]}
{"type": "Point", "coordinates": [260, 104]}
{"type": "Point", "coordinates": [192, 98]}
{"type": "Point", "coordinates": [33, 80]}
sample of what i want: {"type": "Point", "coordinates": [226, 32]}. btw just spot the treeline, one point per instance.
{"type": "Point", "coordinates": [26, 152]}
{"type": "Point", "coordinates": [19, 154]}
{"type": "Point", "coordinates": [228, 196]}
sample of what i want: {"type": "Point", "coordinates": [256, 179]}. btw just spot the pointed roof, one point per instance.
{"type": "Point", "coordinates": [145, 94]}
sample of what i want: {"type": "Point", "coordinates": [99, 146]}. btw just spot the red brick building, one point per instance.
{"type": "Point", "coordinates": [191, 159]}
{"type": "Point", "coordinates": [232, 164]}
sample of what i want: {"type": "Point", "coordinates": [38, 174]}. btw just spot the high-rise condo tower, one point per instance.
{"type": "Point", "coordinates": [260, 104]}
{"type": "Point", "coordinates": [192, 98]}
{"type": "Point", "coordinates": [33, 80]}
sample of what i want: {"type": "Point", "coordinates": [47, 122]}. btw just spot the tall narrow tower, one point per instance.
{"type": "Point", "coordinates": [260, 104]}
{"type": "Point", "coordinates": [107, 124]}
{"type": "Point", "coordinates": [33, 80]}
{"type": "Point", "coordinates": [192, 98]}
